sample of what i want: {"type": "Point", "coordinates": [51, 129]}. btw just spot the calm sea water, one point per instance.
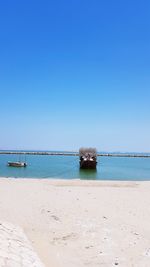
{"type": "Point", "coordinates": [67, 167]}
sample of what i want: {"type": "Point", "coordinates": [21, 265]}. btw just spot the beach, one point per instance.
{"type": "Point", "coordinates": [81, 223]}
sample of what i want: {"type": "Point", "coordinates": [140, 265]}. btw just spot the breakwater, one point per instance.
{"type": "Point", "coordinates": [132, 155]}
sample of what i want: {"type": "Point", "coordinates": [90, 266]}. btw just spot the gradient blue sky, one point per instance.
{"type": "Point", "coordinates": [75, 73]}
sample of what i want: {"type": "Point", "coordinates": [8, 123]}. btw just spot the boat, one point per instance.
{"type": "Point", "coordinates": [17, 164]}
{"type": "Point", "coordinates": [88, 158]}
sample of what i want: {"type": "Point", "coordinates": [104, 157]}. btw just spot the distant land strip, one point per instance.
{"type": "Point", "coordinates": [74, 154]}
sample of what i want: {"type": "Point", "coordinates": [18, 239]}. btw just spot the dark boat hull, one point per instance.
{"type": "Point", "coordinates": [88, 164]}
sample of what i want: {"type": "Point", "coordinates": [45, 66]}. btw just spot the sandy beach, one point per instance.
{"type": "Point", "coordinates": [81, 223]}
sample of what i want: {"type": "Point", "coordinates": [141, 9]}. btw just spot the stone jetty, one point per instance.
{"type": "Point", "coordinates": [129, 155]}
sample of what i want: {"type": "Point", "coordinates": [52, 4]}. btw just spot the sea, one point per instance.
{"type": "Point", "coordinates": [67, 167]}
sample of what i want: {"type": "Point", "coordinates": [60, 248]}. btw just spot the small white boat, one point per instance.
{"type": "Point", "coordinates": [17, 164]}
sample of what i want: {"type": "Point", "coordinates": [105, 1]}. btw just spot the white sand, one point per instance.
{"type": "Point", "coordinates": [78, 223]}
{"type": "Point", "coordinates": [15, 248]}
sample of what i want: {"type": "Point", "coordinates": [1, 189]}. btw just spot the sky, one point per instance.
{"type": "Point", "coordinates": [75, 73]}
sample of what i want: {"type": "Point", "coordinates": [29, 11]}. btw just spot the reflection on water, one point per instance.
{"type": "Point", "coordinates": [87, 174]}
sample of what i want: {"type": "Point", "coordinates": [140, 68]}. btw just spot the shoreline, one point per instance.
{"type": "Point", "coordinates": [53, 180]}
{"type": "Point", "coordinates": [75, 181]}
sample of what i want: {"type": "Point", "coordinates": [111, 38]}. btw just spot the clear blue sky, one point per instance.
{"type": "Point", "coordinates": [75, 73]}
